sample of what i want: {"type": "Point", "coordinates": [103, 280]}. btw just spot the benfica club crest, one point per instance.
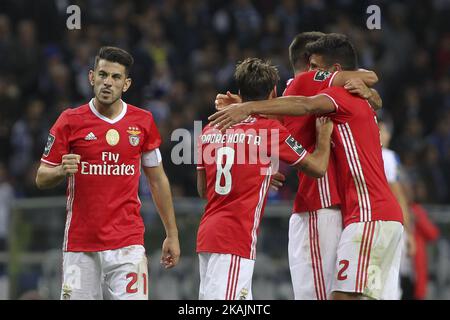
{"type": "Point", "coordinates": [133, 137]}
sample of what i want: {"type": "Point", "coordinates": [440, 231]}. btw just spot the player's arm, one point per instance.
{"type": "Point", "coordinates": [375, 100]}
{"type": "Point", "coordinates": [282, 106]}
{"type": "Point", "coordinates": [358, 87]}
{"type": "Point", "coordinates": [223, 100]}
{"type": "Point", "coordinates": [201, 183]}
{"type": "Point", "coordinates": [316, 163]}
{"type": "Point", "coordinates": [397, 190]}
{"type": "Point", "coordinates": [162, 198]}
{"type": "Point", "coordinates": [369, 78]}
{"type": "Point", "coordinates": [50, 176]}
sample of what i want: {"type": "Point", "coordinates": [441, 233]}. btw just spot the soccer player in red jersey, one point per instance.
{"type": "Point", "coordinates": [369, 249]}
{"type": "Point", "coordinates": [316, 223]}
{"type": "Point", "coordinates": [234, 175]}
{"type": "Point", "coordinates": [99, 147]}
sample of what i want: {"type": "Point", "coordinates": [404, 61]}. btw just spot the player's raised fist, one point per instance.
{"type": "Point", "coordinates": [69, 163]}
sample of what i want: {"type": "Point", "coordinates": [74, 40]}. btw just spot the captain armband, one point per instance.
{"type": "Point", "coordinates": [151, 158]}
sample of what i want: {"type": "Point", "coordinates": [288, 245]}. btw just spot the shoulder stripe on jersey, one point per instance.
{"type": "Point", "coordinates": [321, 195]}
{"type": "Point", "coordinates": [356, 172]}
{"type": "Point", "coordinates": [257, 215]}
{"type": "Point", "coordinates": [324, 191]}
{"type": "Point", "coordinates": [69, 207]}
{"type": "Point", "coordinates": [351, 165]}
{"type": "Point", "coordinates": [327, 189]}
{"type": "Point", "coordinates": [360, 171]}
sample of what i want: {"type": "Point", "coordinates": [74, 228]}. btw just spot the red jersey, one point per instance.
{"type": "Point", "coordinates": [238, 167]}
{"type": "Point", "coordinates": [312, 193]}
{"type": "Point", "coordinates": [365, 192]}
{"type": "Point", "coordinates": [102, 197]}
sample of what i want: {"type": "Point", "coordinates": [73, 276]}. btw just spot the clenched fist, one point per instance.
{"type": "Point", "coordinates": [69, 163]}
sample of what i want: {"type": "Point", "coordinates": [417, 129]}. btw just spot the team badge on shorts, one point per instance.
{"type": "Point", "coordinates": [133, 137]}
{"type": "Point", "coordinates": [112, 137]}
{"type": "Point", "coordinates": [66, 292]}
{"type": "Point", "coordinates": [243, 294]}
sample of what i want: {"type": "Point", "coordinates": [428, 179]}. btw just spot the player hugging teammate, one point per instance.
{"type": "Point", "coordinates": [367, 256]}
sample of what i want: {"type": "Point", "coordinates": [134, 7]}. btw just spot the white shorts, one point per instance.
{"type": "Point", "coordinates": [120, 274]}
{"type": "Point", "coordinates": [225, 277]}
{"type": "Point", "coordinates": [313, 241]}
{"type": "Point", "coordinates": [368, 259]}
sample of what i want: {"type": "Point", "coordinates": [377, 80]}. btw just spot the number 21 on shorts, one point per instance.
{"type": "Point", "coordinates": [133, 278]}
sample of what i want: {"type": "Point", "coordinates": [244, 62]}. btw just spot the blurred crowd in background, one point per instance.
{"type": "Point", "coordinates": [185, 53]}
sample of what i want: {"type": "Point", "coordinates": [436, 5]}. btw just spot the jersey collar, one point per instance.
{"type": "Point", "coordinates": [116, 119]}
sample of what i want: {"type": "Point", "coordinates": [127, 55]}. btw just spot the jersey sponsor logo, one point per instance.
{"type": "Point", "coordinates": [112, 137]}
{"type": "Point", "coordinates": [297, 147]}
{"type": "Point", "coordinates": [322, 75]}
{"type": "Point", "coordinates": [49, 145]}
{"type": "Point", "coordinates": [133, 137]}
{"type": "Point", "coordinates": [106, 168]}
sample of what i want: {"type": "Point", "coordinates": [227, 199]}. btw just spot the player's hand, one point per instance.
{"type": "Point", "coordinates": [324, 126]}
{"type": "Point", "coordinates": [69, 164]}
{"type": "Point", "coordinates": [170, 252]}
{"type": "Point", "coordinates": [227, 117]}
{"type": "Point", "coordinates": [277, 180]}
{"type": "Point", "coordinates": [224, 100]}
{"type": "Point", "coordinates": [358, 87]}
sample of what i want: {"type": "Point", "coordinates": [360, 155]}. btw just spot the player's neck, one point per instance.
{"type": "Point", "coordinates": [110, 111]}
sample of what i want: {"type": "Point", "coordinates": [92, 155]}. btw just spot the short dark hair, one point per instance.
{"type": "Point", "coordinates": [114, 54]}
{"type": "Point", "coordinates": [298, 56]}
{"type": "Point", "coordinates": [255, 78]}
{"type": "Point", "coordinates": [335, 48]}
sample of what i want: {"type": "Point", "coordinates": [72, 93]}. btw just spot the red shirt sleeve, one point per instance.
{"type": "Point", "coordinates": [152, 136]}
{"type": "Point", "coordinates": [345, 108]}
{"type": "Point", "coordinates": [57, 141]}
{"type": "Point", "coordinates": [287, 148]}
{"type": "Point", "coordinates": [309, 83]}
